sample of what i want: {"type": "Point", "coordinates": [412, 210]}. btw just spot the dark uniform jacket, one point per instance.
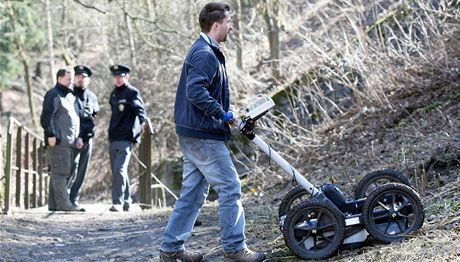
{"type": "Point", "coordinates": [202, 94]}
{"type": "Point", "coordinates": [127, 114]}
{"type": "Point", "coordinates": [88, 107]}
{"type": "Point", "coordinates": [59, 117]}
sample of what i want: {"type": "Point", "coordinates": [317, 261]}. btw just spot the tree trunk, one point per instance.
{"type": "Point", "coordinates": [28, 80]}
{"type": "Point", "coordinates": [239, 35]}
{"type": "Point", "coordinates": [271, 16]}
{"type": "Point", "coordinates": [25, 62]}
{"type": "Point", "coordinates": [129, 28]}
{"type": "Point", "coordinates": [50, 40]}
{"type": "Point", "coordinates": [192, 16]}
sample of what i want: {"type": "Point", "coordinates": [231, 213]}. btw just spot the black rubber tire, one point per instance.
{"type": "Point", "coordinates": [316, 222]}
{"type": "Point", "coordinates": [376, 178]}
{"type": "Point", "coordinates": [294, 197]}
{"type": "Point", "coordinates": [392, 212]}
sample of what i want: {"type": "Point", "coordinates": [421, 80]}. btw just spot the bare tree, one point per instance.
{"type": "Point", "coordinates": [271, 13]}
{"type": "Point", "coordinates": [239, 34]}
{"type": "Point", "coordinates": [50, 39]}
{"type": "Point", "coordinates": [129, 28]}
{"type": "Point", "coordinates": [18, 41]}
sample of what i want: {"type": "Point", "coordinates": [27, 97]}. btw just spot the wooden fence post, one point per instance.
{"type": "Point", "coordinates": [8, 168]}
{"type": "Point", "coordinates": [2, 173]}
{"type": "Point", "coordinates": [18, 165]}
{"type": "Point", "coordinates": [18, 150]}
{"type": "Point", "coordinates": [27, 171]}
{"type": "Point", "coordinates": [145, 180]}
{"type": "Point", "coordinates": [34, 170]}
{"type": "Point", "coordinates": [42, 182]}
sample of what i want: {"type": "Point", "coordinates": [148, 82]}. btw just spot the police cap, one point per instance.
{"type": "Point", "coordinates": [82, 70]}
{"type": "Point", "coordinates": [121, 70]}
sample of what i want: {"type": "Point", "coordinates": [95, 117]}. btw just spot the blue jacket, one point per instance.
{"type": "Point", "coordinates": [127, 114]}
{"type": "Point", "coordinates": [202, 95]}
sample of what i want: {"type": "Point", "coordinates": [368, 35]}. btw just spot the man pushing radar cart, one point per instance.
{"type": "Point", "coordinates": [316, 221]}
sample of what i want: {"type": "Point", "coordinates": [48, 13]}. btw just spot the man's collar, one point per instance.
{"type": "Point", "coordinates": [62, 86]}
{"type": "Point", "coordinates": [209, 40]}
{"type": "Point", "coordinates": [79, 89]}
{"type": "Point", "coordinates": [123, 85]}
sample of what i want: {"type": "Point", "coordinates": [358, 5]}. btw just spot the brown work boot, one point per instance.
{"type": "Point", "coordinates": [184, 256]}
{"type": "Point", "coordinates": [246, 255]}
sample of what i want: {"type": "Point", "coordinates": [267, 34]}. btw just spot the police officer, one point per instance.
{"type": "Point", "coordinates": [61, 124]}
{"type": "Point", "coordinates": [126, 124]}
{"type": "Point", "coordinates": [87, 107]}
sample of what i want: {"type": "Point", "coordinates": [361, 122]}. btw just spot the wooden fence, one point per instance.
{"type": "Point", "coordinates": [26, 176]}
{"type": "Point", "coordinates": [151, 189]}
{"type": "Point", "coordinates": [25, 173]}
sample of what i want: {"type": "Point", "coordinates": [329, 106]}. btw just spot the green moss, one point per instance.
{"type": "Point", "coordinates": [455, 93]}
{"type": "Point", "coordinates": [431, 106]}
{"type": "Point", "coordinates": [402, 122]}
{"type": "Point", "coordinates": [443, 206]}
{"type": "Point", "coordinates": [279, 96]}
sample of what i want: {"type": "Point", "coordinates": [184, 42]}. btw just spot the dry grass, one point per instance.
{"type": "Point", "coordinates": [379, 53]}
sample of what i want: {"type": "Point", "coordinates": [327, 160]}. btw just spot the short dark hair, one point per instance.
{"type": "Point", "coordinates": [211, 13]}
{"type": "Point", "coordinates": [61, 72]}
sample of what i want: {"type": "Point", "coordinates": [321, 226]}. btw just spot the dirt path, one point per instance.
{"type": "Point", "coordinates": [100, 235]}
{"type": "Point", "coordinates": [97, 235]}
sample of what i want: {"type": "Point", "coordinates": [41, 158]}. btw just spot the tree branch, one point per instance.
{"type": "Point", "coordinates": [161, 29]}
{"type": "Point", "coordinates": [90, 6]}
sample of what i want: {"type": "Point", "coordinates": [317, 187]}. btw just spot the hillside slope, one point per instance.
{"type": "Point", "coordinates": [419, 135]}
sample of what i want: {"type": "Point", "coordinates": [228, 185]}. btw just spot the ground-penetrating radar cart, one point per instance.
{"type": "Point", "coordinates": [317, 221]}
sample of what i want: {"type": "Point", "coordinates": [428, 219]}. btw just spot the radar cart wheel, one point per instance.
{"type": "Point", "coordinates": [392, 212]}
{"type": "Point", "coordinates": [377, 178]}
{"type": "Point", "coordinates": [315, 229]}
{"type": "Point", "coordinates": [294, 197]}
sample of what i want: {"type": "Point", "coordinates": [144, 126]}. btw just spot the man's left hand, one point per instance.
{"type": "Point", "coordinates": [79, 143]}
{"type": "Point", "coordinates": [228, 117]}
{"type": "Point", "coordinates": [143, 127]}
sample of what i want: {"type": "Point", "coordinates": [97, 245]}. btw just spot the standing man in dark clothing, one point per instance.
{"type": "Point", "coordinates": [126, 124]}
{"type": "Point", "coordinates": [61, 124]}
{"type": "Point", "coordinates": [87, 107]}
{"type": "Point", "coordinates": [202, 116]}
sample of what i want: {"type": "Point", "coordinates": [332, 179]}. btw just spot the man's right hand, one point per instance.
{"type": "Point", "coordinates": [51, 141]}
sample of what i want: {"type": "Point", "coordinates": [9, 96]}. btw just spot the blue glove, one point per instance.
{"type": "Point", "coordinates": [227, 116]}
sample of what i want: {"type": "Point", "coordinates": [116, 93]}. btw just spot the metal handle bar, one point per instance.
{"type": "Point", "coordinates": [241, 124]}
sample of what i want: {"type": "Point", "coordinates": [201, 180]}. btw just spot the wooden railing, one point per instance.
{"type": "Point", "coordinates": [151, 189]}
{"type": "Point", "coordinates": [26, 176]}
{"type": "Point", "coordinates": [25, 173]}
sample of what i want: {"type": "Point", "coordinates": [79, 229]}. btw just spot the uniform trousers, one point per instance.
{"type": "Point", "coordinates": [120, 153]}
